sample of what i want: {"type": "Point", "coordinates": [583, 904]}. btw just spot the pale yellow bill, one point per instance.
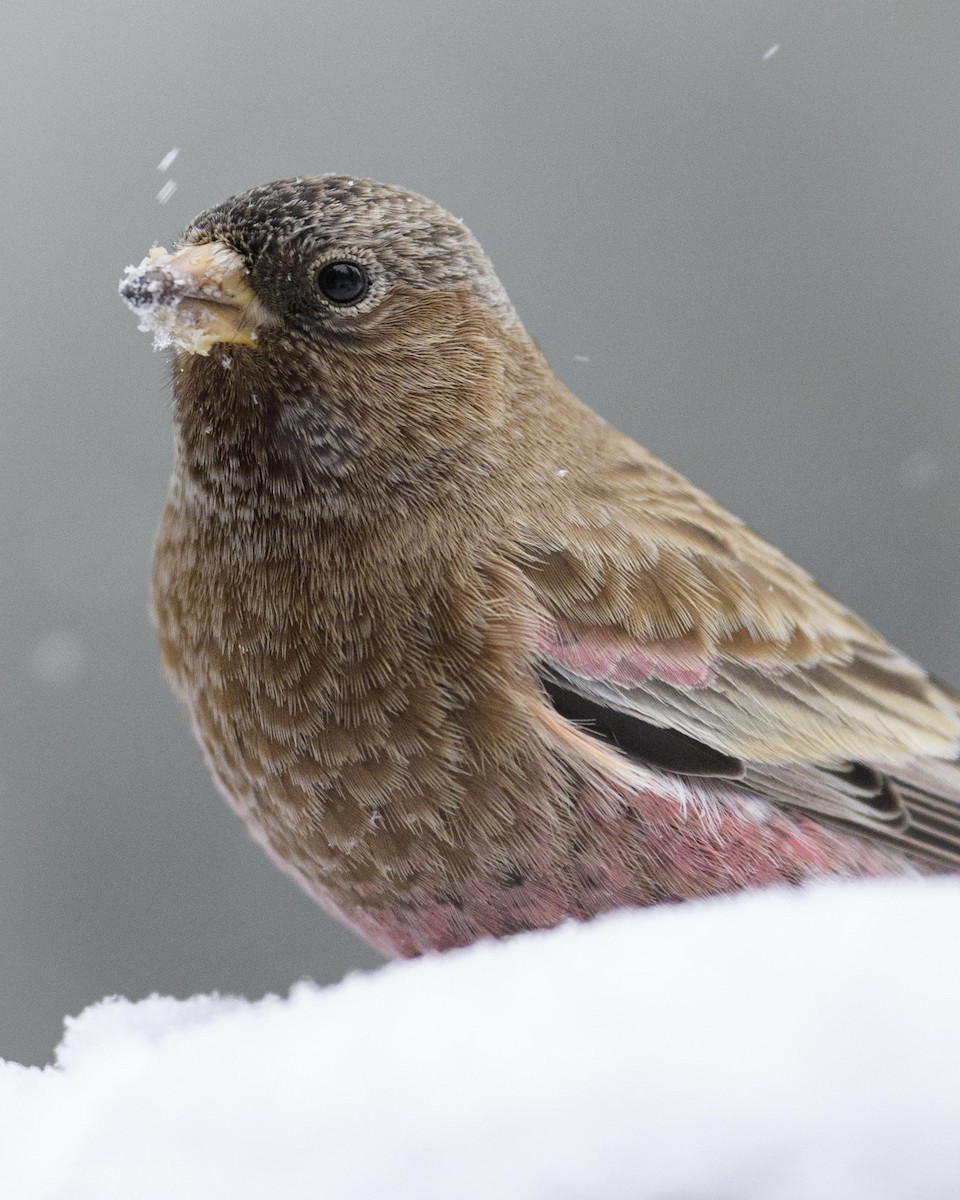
{"type": "Point", "coordinates": [195, 298]}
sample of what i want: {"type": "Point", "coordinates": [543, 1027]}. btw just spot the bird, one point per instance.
{"type": "Point", "coordinates": [465, 659]}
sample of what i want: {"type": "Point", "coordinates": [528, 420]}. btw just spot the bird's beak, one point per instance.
{"type": "Point", "coordinates": [195, 298]}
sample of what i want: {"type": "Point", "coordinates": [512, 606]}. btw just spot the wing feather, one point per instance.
{"type": "Point", "coordinates": [661, 608]}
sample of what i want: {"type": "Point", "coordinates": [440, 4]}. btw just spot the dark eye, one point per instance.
{"type": "Point", "coordinates": [343, 282]}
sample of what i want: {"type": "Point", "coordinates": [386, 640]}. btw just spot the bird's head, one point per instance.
{"type": "Point", "coordinates": [331, 323]}
{"type": "Point", "coordinates": [328, 259]}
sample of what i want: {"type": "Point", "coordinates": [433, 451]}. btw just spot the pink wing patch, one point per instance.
{"type": "Point", "coordinates": [599, 652]}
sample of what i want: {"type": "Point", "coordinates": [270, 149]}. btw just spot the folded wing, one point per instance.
{"type": "Point", "coordinates": [676, 634]}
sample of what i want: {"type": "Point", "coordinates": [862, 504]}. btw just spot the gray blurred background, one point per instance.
{"type": "Point", "coordinates": [749, 258]}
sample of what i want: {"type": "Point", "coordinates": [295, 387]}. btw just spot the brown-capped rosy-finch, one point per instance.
{"type": "Point", "coordinates": [465, 659]}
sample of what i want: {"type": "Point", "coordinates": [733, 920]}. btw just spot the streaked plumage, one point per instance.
{"type": "Point", "coordinates": [465, 659]}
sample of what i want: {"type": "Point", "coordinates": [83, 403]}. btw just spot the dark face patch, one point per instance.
{"type": "Point", "coordinates": [254, 221]}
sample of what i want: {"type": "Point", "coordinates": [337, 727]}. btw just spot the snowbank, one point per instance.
{"type": "Point", "coordinates": [778, 1045]}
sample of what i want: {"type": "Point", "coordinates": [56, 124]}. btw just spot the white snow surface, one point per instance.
{"type": "Point", "coordinates": [784, 1045]}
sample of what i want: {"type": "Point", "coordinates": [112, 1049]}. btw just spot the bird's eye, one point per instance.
{"type": "Point", "coordinates": [343, 282]}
